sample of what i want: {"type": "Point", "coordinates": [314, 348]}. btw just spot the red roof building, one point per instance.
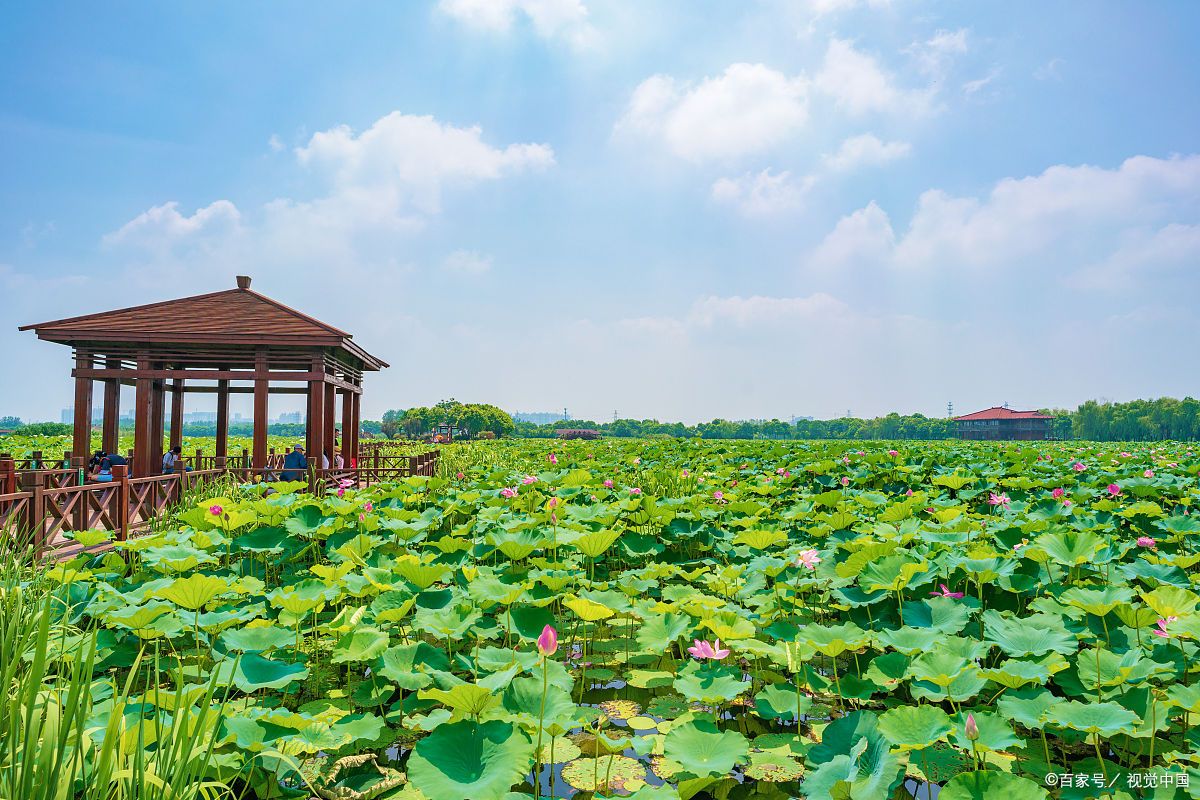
{"type": "Point", "coordinates": [1001, 423]}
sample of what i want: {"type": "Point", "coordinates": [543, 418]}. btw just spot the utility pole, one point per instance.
{"type": "Point", "coordinates": [950, 409]}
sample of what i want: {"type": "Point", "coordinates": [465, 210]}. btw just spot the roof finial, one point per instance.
{"type": "Point", "coordinates": [243, 281]}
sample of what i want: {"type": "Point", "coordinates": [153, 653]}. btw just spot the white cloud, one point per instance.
{"type": "Point", "coordinates": [974, 86]}
{"type": "Point", "coordinates": [1143, 255]}
{"type": "Point", "coordinates": [275, 143]}
{"type": "Point", "coordinates": [760, 310]}
{"type": "Point", "coordinates": [763, 193]}
{"type": "Point", "coordinates": [1050, 71]}
{"type": "Point", "coordinates": [162, 226]}
{"type": "Point", "coordinates": [467, 262]}
{"type": "Point", "coordinates": [405, 157]}
{"type": "Point", "coordinates": [1048, 225]}
{"type": "Point", "coordinates": [933, 56]}
{"type": "Point", "coordinates": [866, 150]}
{"type": "Point", "coordinates": [863, 237]}
{"type": "Point", "coordinates": [565, 19]}
{"type": "Point", "coordinates": [747, 109]}
{"type": "Point", "coordinates": [859, 85]}
{"type": "Point", "coordinates": [385, 181]}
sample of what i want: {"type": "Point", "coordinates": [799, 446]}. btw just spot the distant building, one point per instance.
{"type": "Point", "coordinates": [291, 418]}
{"type": "Point", "coordinates": [199, 416]}
{"type": "Point", "coordinates": [577, 433]}
{"type": "Point", "coordinates": [1000, 423]}
{"type": "Point", "coordinates": [539, 417]}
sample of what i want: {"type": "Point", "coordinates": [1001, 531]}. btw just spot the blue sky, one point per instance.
{"type": "Point", "coordinates": [682, 210]}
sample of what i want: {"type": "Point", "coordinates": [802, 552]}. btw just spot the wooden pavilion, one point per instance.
{"type": "Point", "coordinates": [229, 342]}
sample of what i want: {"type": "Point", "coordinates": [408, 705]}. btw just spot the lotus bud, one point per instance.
{"type": "Point", "coordinates": [972, 729]}
{"type": "Point", "coordinates": [547, 643]}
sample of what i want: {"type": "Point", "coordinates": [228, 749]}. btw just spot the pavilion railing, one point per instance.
{"type": "Point", "coordinates": [46, 505]}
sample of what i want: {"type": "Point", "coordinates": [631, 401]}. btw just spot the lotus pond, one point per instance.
{"type": "Point", "coordinates": [651, 619]}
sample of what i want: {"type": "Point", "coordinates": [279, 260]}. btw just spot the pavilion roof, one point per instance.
{"type": "Point", "coordinates": [1000, 412]}
{"type": "Point", "coordinates": [238, 316]}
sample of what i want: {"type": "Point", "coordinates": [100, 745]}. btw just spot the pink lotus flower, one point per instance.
{"type": "Point", "coordinates": [459, 475]}
{"type": "Point", "coordinates": [1125, 455]}
{"type": "Point", "coordinates": [345, 483]}
{"type": "Point", "coordinates": [808, 559]}
{"type": "Point", "coordinates": [1079, 466]}
{"type": "Point", "coordinates": [787, 473]}
{"type": "Point", "coordinates": [362, 517]}
{"type": "Point", "coordinates": [845, 459]}
{"type": "Point", "coordinates": [1146, 541]}
{"type": "Point", "coordinates": [1057, 493]}
{"type": "Point", "coordinates": [779, 470]}
{"type": "Point", "coordinates": [845, 481]}
{"type": "Point", "coordinates": [553, 459]}
{"type": "Point", "coordinates": [508, 493]}
{"type": "Point", "coordinates": [341, 492]}
{"type": "Point", "coordinates": [552, 502]}
{"type": "Point", "coordinates": [945, 592]}
{"type": "Point", "coordinates": [1162, 627]}
{"type": "Point", "coordinates": [1020, 544]}
{"type": "Point", "coordinates": [528, 479]}
{"type": "Point", "coordinates": [718, 495]}
{"type": "Point", "coordinates": [1066, 502]}
{"type": "Point", "coordinates": [1148, 473]}
{"type": "Point", "coordinates": [216, 511]}
{"type": "Point", "coordinates": [608, 483]}
{"type": "Point", "coordinates": [999, 499]}
{"type": "Point", "coordinates": [908, 493]}
{"type": "Point", "coordinates": [971, 729]}
{"type": "Point", "coordinates": [368, 506]}
{"type": "Point", "coordinates": [637, 460]}
{"type": "Point", "coordinates": [893, 453]}
{"type": "Point", "coordinates": [1114, 489]}
{"type": "Point", "coordinates": [547, 643]}
{"type": "Point", "coordinates": [635, 490]}
{"type": "Point", "coordinates": [734, 483]}
{"type": "Point", "coordinates": [702, 650]}
{"type": "Point", "coordinates": [685, 474]}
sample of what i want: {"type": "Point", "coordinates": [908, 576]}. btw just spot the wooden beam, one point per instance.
{"type": "Point", "coordinates": [213, 375]}
{"type": "Point", "coordinates": [81, 443]}
{"type": "Point", "coordinates": [260, 412]}
{"type": "Point", "coordinates": [177, 413]}
{"type": "Point", "coordinates": [222, 448]}
{"type": "Point", "coordinates": [245, 389]}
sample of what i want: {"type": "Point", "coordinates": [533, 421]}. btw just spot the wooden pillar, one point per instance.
{"type": "Point", "coordinates": [261, 385]}
{"type": "Point", "coordinates": [316, 416]}
{"type": "Point", "coordinates": [347, 425]}
{"type": "Point", "coordinates": [356, 402]}
{"type": "Point", "coordinates": [330, 409]}
{"type": "Point", "coordinates": [176, 412]}
{"type": "Point", "coordinates": [110, 435]}
{"type": "Point", "coordinates": [158, 406]}
{"type": "Point", "coordinates": [81, 443]}
{"type": "Point", "coordinates": [222, 418]}
{"type": "Point", "coordinates": [142, 419]}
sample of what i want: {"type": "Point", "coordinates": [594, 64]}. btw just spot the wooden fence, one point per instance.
{"type": "Point", "coordinates": [47, 504]}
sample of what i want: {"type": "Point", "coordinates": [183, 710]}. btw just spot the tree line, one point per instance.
{"type": "Point", "coordinates": [1137, 420]}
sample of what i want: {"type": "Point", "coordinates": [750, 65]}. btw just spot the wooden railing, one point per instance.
{"type": "Point", "coordinates": [45, 505]}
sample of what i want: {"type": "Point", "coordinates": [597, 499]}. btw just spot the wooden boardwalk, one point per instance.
{"type": "Point", "coordinates": [46, 505]}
